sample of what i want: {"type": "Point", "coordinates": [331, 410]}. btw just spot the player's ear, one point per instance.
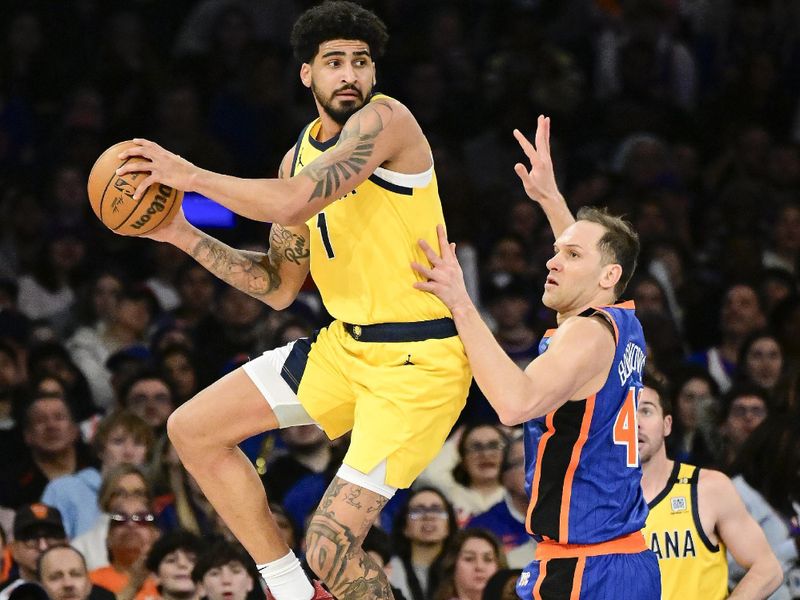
{"type": "Point", "coordinates": [611, 275]}
{"type": "Point", "coordinates": [374, 74]}
{"type": "Point", "coordinates": [667, 425]}
{"type": "Point", "coordinates": [305, 74]}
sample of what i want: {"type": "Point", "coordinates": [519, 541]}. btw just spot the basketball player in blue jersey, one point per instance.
{"type": "Point", "coordinates": [695, 516]}
{"type": "Point", "coordinates": [356, 192]}
{"type": "Point", "coordinates": [577, 399]}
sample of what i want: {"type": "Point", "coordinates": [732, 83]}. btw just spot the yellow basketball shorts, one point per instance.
{"type": "Point", "coordinates": [400, 398]}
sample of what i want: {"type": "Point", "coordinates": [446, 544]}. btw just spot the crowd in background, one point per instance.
{"type": "Point", "coordinates": [683, 115]}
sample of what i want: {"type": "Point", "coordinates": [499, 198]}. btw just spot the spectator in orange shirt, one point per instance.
{"type": "Point", "coordinates": [131, 533]}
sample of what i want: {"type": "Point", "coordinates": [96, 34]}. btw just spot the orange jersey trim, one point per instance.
{"type": "Point", "coordinates": [577, 580]}
{"type": "Point", "coordinates": [537, 594]}
{"type": "Point", "coordinates": [633, 543]}
{"type": "Point", "coordinates": [575, 458]}
{"type": "Point", "coordinates": [551, 430]}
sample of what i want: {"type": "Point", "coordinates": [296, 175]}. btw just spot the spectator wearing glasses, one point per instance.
{"type": "Point", "coordinates": [37, 527]}
{"type": "Point", "coordinates": [422, 529]}
{"type": "Point", "coordinates": [467, 470]}
{"type": "Point", "coordinates": [506, 519]}
{"type": "Point", "coordinates": [744, 408]}
{"type": "Point", "coordinates": [121, 437]}
{"type": "Point", "coordinates": [132, 531]}
{"type": "Point", "coordinates": [123, 481]}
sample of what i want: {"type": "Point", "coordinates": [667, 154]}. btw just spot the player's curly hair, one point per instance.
{"type": "Point", "coordinates": [337, 20]}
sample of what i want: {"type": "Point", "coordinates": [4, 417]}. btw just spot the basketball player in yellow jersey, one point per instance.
{"type": "Point", "coordinates": [355, 194]}
{"type": "Point", "coordinates": [695, 515]}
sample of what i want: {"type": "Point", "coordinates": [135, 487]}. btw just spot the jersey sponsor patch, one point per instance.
{"type": "Point", "coordinates": [524, 578]}
{"type": "Point", "coordinates": [678, 504]}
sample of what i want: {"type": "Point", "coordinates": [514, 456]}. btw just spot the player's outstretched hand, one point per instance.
{"type": "Point", "coordinates": [444, 276]}
{"type": "Point", "coordinates": [540, 181]}
{"type": "Point", "coordinates": [162, 165]}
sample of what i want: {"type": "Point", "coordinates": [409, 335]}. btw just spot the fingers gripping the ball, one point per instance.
{"type": "Point", "coordinates": [126, 195]}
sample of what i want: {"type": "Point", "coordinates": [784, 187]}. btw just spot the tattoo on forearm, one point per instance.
{"type": "Point", "coordinates": [355, 146]}
{"type": "Point", "coordinates": [253, 273]}
{"type": "Point", "coordinates": [334, 549]}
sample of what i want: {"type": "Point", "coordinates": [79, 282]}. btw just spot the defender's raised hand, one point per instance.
{"type": "Point", "coordinates": [444, 276]}
{"type": "Point", "coordinates": [540, 181]}
{"type": "Point", "coordinates": [162, 165]}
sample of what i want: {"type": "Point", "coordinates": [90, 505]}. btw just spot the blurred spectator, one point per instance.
{"type": "Point", "coordinates": [467, 470]}
{"type": "Point", "coordinates": [308, 451]}
{"type": "Point", "coordinates": [37, 527]}
{"type": "Point", "coordinates": [506, 519]}
{"type": "Point", "coordinates": [149, 395]}
{"type": "Point", "coordinates": [743, 409]}
{"type": "Point", "coordinates": [52, 359]}
{"type": "Point", "coordinates": [123, 481]}
{"type": "Point", "coordinates": [48, 291]}
{"type": "Point", "coordinates": [510, 307]}
{"type": "Point", "coordinates": [741, 314]}
{"type": "Point", "coordinates": [63, 574]}
{"type": "Point", "coordinates": [237, 326]}
{"type": "Point", "coordinates": [196, 287]}
{"type": "Point", "coordinates": [225, 572]}
{"type": "Point", "coordinates": [171, 560]}
{"type": "Point", "coordinates": [472, 557]}
{"type": "Point", "coordinates": [502, 585]}
{"type": "Point", "coordinates": [166, 260]}
{"type": "Point", "coordinates": [286, 525]}
{"type": "Point", "coordinates": [179, 365]}
{"type": "Point", "coordinates": [695, 437]}
{"type": "Point", "coordinates": [767, 477]}
{"type": "Point", "coordinates": [125, 364]}
{"type": "Point", "coordinates": [378, 546]}
{"type": "Point", "coordinates": [121, 437]}
{"type": "Point", "coordinates": [775, 286]}
{"type": "Point", "coordinates": [129, 324]}
{"type": "Point", "coordinates": [131, 533]}
{"type": "Point", "coordinates": [784, 252]}
{"type": "Point", "coordinates": [423, 527]}
{"type": "Point", "coordinates": [54, 449]}
{"type": "Point", "coordinates": [761, 361]}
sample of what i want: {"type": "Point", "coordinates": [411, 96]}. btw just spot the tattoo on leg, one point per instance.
{"type": "Point", "coordinates": [334, 547]}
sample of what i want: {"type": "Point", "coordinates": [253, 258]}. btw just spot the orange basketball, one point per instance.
{"type": "Point", "coordinates": [112, 200]}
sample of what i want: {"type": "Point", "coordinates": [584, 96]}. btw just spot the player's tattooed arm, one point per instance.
{"type": "Point", "coordinates": [273, 277]}
{"type": "Point", "coordinates": [332, 171]}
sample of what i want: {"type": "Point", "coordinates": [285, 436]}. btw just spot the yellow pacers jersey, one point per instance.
{"type": "Point", "coordinates": [691, 566]}
{"type": "Point", "coordinates": [362, 245]}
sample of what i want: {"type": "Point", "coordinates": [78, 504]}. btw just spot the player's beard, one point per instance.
{"type": "Point", "coordinates": [348, 107]}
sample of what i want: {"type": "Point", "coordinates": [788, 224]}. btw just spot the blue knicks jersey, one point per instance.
{"type": "Point", "coordinates": [582, 460]}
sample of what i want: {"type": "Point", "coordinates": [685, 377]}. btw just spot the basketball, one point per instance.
{"type": "Point", "coordinates": [111, 196]}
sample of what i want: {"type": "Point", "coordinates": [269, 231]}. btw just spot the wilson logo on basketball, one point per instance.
{"type": "Point", "coordinates": [156, 206]}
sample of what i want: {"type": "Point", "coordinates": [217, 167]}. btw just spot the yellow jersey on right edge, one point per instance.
{"type": "Point", "coordinates": [691, 566]}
